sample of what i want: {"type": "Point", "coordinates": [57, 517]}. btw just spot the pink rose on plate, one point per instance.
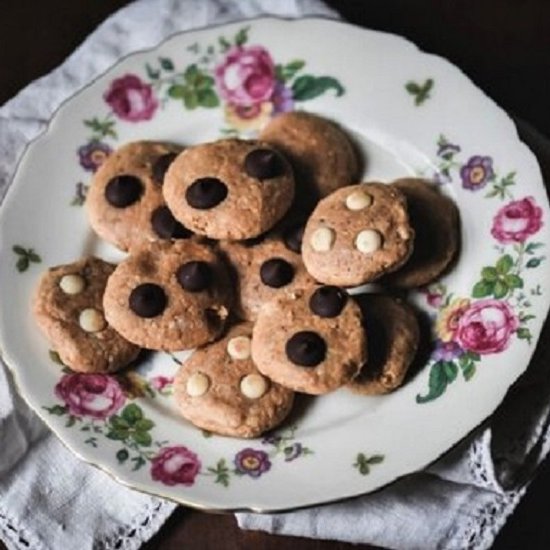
{"type": "Point", "coordinates": [174, 465]}
{"type": "Point", "coordinates": [517, 221]}
{"type": "Point", "coordinates": [131, 99]}
{"type": "Point", "coordinates": [95, 395]}
{"type": "Point", "coordinates": [246, 76]}
{"type": "Point", "coordinates": [486, 326]}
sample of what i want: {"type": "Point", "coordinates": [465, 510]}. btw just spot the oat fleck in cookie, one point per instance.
{"type": "Point", "coordinates": [357, 234]}
{"type": "Point", "coordinates": [125, 203]}
{"type": "Point", "coordinates": [435, 220]}
{"type": "Point", "coordinates": [69, 310]}
{"type": "Point", "coordinates": [310, 340]}
{"type": "Point", "coordinates": [229, 189]}
{"type": "Point", "coordinates": [219, 389]}
{"type": "Point", "coordinates": [321, 154]}
{"type": "Point", "coordinates": [169, 295]}
{"type": "Point", "coordinates": [393, 332]}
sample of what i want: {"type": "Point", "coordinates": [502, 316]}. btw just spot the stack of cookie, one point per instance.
{"type": "Point", "coordinates": [243, 249]}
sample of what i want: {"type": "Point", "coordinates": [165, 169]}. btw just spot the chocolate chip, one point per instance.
{"type": "Point", "coordinates": [293, 238]}
{"type": "Point", "coordinates": [206, 193]}
{"type": "Point", "coordinates": [306, 349]}
{"type": "Point", "coordinates": [166, 226]}
{"type": "Point", "coordinates": [276, 273]}
{"type": "Point", "coordinates": [194, 276]}
{"type": "Point", "coordinates": [264, 164]}
{"type": "Point", "coordinates": [123, 191]}
{"type": "Point", "coordinates": [328, 301]}
{"type": "Point", "coordinates": [160, 167]}
{"type": "Point", "coordinates": [147, 300]}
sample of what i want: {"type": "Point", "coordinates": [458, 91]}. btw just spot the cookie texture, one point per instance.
{"type": "Point", "coordinates": [321, 154]}
{"type": "Point", "coordinates": [264, 270]}
{"type": "Point", "coordinates": [125, 204]}
{"type": "Point", "coordinates": [310, 340]}
{"type": "Point", "coordinates": [68, 309]}
{"type": "Point", "coordinates": [357, 234]}
{"type": "Point", "coordinates": [219, 389]}
{"type": "Point", "coordinates": [435, 220]}
{"type": "Point", "coordinates": [169, 295]}
{"type": "Point", "coordinates": [229, 189]}
{"type": "Point", "coordinates": [393, 332]}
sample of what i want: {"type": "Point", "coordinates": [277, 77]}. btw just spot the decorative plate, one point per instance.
{"type": "Point", "coordinates": [412, 114]}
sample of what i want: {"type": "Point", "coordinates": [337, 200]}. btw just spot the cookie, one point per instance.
{"type": "Point", "coordinates": [435, 220]}
{"type": "Point", "coordinates": [169, 295]}
{"type": "Point", "coordinates": [357, 234]}
{"type": "Point", "coordinates": [262, 271]}
{"type": "Point", "coordinates": [321, 154]}
{"type": "Point", "coordinates": [68, 309]}
{"type": "Point", "coordinates": [125, 204]}
{"type": "Point", "coordinates": [229, 189]}
{"type": "Point", "coordinates": [394, 334]}
{"type": "Point", "coordinates": [219, 389]}
{"type": "Point", "coordinates": [310, 340]}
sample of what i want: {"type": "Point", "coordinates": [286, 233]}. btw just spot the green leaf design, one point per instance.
{"type": "Point", "coordinates": [191, 73]}
{"type": "Point", "coordinates": [451, 370]}
{"type": "Point", "coordinates": [524, 334]}
{"type": "Point", "coordinates": [151, 73]}
{"type": "Point", "coordinates": [534, 262]}
{"type": "Point", "coordinates": [54, 357]}
{"type": "Point", "coordinates": [242, 36]}
{"type": "Point", "coordinates": [176, 91]}
{"type": "Point", "coordinates": [483, 288]}
{"type": "Point", "coordinates": [166, 63]}
{"type": "Point", "coordinates": [375, 459]}
{"type": "Point", "coordinates": [19, 250]}
{"type": "Point", "coordinates": [287, 72]}
{"type": "Point", "coordinates": [221, 471]}
{"type": "Point", "coordinates": [117, 435]}
{"type": "Point", "coordinates": [204, 82]}
{"type": "Point", "coordinates": [438, 381]}
{"type": "Point", "coordinates": [71, 421]}
{"type": "Point", "coordinates": [531, 247]}
{"type": "Point", "coordinates": [421, 92]}
{"type": "Point", "coordinates": [412, 87]}
{"type": "Point", "coordinates": [144, 425]}
{"type": "Point", "coordinates": [122, 456]}
{"type": "Point", "coordinates": [132, 413]}
{"type": "Point", "coordinates": [22, 264]}
{"type": "Point", "coordinates": [142, 438]}
{"type": "Point", "coordinates": [500, 289]}
{"type": "Point", "coordinates": [138, 461]}
{"type": "Point", "coordinates": [207, 98]}
{"type": "Point", "coordinates": [119, 423]}
{"type": "Point", "coordinates": [489, 274]}
{"type": "Point", "coordinates": [26, 256]}
{"type": "Point", "coordinates": [190, 99]}
{"type": "Point", "coordinates": [224, 43]}
{"type": "Point", "coordinates": [307, 87]}
{"type": "Point", "coordinates": [513, 281]}
{"type": "Point", "coordinates": [504, 264]}
{"type": "Point", "coordinates": [57, 410]}
{"type": "Point", "coordinates": [363, 463]}
{"type": "Point", "coordinates": [467, 366]}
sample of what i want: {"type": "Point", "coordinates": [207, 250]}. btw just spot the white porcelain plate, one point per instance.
{"type": "Point", "coordinates": [413, 114]}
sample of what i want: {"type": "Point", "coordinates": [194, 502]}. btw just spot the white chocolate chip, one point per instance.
{"type": "Point", "coordinates": [253, 386]}
{"type": "Point", "coordinates": [358, 200]}
{"type": "Point", "coordinates": [322, 239]}
{"type": "Point", "coordinates": [368, 241]}
{"type": "Point", "coordinates": [72, 284]}
{"type": "Point", "coordinates": [91, 320]}
{"type": "Point", "coordinates": [239, 347]}
{"type": "Point", "coordinates": [197, 384]}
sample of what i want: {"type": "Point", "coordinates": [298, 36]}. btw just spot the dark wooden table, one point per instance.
{"type": "Point", "coordinates": [503, 45]}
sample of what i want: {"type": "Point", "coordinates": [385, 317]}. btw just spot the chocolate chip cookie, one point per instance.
{"type": "Point", "coordinates": [229, 189]}
{"type": "Point", "coordinates": [68, 309]}
{"type": "Point", "coordinates": [219, 389]}
{"type": "Point", "coordinates": [393, 332]}
{"type": "Point", "coordinates": [125, 203]}
{"type": "Point", "coordinates": [310, 340]}
{"type": "Point", "coordinates": [169, 295]}
{"type": "Point", "coordinates": [357, 234]}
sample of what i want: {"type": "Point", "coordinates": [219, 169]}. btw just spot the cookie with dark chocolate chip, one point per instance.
{"type": "Point", "coordinates": [263, 271]}
{"type": "Point", "coordinates": [229, 189]}
{"type": "Point", "coordinates": [219, 389]}
{"type": "Point", "coordinates": [310, 339]}
{"type": "Point", "coordinates": [435, 220]}
{"type": "Point", "coordinates": [125, 203]}
{"type": "Point", "coordinates": [394, 334]}
{"type": "Point", "coordinates": [169, 295]}
{"type": "Point", "coordinates": [68, 309]}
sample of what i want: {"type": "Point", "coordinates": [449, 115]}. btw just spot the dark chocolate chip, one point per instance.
{"type": "Point", "coordinates": [161, 165]}
{"type": "Point", "coordinates": [293, 238]}
{"type": "Point", "coordinates": [166, 226]}
{"type": "Point", "coordinates": [328, 301]}
{"type": "Point", "coordinates": [264, 164]}
{"type": "Point", "coordinates": [194, 276]}
{"type": "Point", "coordinates": [276, 273]}
{"type": "Point", "coordinates": [123, 191]}
{"type": "Point", "coordinates": [147, 300]}
{"type": "Point", "coordinates": [306, 349]}
{"type": "Point", "coordinates": [206, 193]}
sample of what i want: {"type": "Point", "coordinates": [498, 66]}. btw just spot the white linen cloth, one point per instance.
{"type": "Point", "coordinates": [49, 499]}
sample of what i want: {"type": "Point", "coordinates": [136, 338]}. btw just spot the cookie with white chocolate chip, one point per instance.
{"type": "Point", "coordinates": [169, 295]}
{"type": "Point", "coordinates": [125, 203]}
{"type": "Point", "coordinates": [310, 340]}
{"type": "Point", "coordinates": [68, 309]}
{"type": "Point", "coordinates": [219, 389]}
{"type": "Point", "coordinates": [357, 234]}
